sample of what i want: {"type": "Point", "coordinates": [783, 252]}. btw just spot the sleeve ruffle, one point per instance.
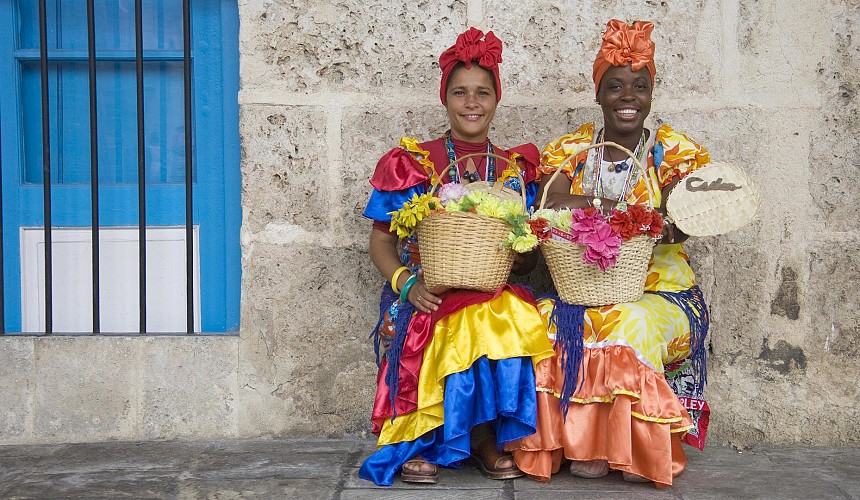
{"type": "Point", "coordinates": [556, 152]}
{"type": "Point", "coordinates": [382, 203]}
{"type": "Point", "coordinates": [680, 155]}
{"type": "Point", "coordinates": [399, 174]}
{"type": "Point", "coordinates": [403, 167]}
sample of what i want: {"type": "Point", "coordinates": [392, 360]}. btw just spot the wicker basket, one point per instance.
{"type": "Point", "coordinates": [715, 199]}
{"type": "Point", "coordinates": [463, 249]}
{"type": "Point", "coordinates": [578, 282]}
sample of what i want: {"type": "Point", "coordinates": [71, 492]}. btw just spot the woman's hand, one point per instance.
{"type": "Point", "coordinates": [421, 298]}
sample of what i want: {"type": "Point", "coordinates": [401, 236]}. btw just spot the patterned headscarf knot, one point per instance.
{"type": "Point", "coordinates": [625, 44]}
{"type": "Point", "coordinates": [472, 46]}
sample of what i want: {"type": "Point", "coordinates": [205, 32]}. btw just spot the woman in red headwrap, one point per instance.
{"type": "Point", "coordinates": [454, 368]}
{"type": "Point", "coordinates": [604, 401]}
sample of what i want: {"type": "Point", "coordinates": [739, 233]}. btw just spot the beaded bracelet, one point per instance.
{"type": "Point", "coordinates": [406, 287]}
{"type": "Point", "coordinates": [396, 276]}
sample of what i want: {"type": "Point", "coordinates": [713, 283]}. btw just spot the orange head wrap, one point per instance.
{"type": "Point", "coordinates": [625, 44]}
{"type": "Point", "coordinates": [472, 46]}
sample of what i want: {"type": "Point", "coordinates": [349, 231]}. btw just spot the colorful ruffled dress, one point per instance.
{"type": "Point", "coordinates": [468, 363]}
{"type": "Point", "coordinates": [621, 407]}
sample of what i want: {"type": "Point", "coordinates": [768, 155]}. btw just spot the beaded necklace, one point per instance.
{"type": "Point", "coordinates": [454, 172]}
{"type": "Point", "coordinates": [598, 168]}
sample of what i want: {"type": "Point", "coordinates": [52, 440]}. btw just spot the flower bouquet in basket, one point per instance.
{"type": "Point", "coordinates": [600, 236]}
{"type": "Point", "coordinates": [467, 238]}
{"type": "Point", "coordinates": [598, 259]}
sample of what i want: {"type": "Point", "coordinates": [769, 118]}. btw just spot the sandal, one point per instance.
{"type": "Point", "coordinates": [589, 469]}
{"type": "Point", "coordinates": [494, 471]}
{"type": "Point", "coordinates": [414, 475]}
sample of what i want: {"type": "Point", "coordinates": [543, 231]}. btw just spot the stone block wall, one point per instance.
{"type": "Point", "coordinates": [328, 87]}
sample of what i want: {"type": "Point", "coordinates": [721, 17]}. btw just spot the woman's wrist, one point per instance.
{"type": "Point", "coordinates": [396, 278]}
{"type": "Point", "coordinates": [404, 292]}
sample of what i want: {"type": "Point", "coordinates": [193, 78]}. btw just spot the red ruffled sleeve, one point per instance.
{"type": "Point", "coordinates": [397, 170]}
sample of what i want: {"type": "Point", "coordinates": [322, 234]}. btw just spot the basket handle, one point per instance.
{"type": "Point", "coordinates": [592, 146]}
{"type": "Point", "coordinates": [498, 185]}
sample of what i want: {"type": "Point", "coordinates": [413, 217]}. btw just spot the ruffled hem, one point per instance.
{"type": "Point", "coordinates": [624, 412]}
{"type": "Point", "coordinates": [488, 391]}
{"type": "Point", "coordinates": [504, 327]}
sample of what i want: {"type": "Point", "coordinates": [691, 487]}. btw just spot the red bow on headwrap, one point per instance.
{"type": "Point", "coordinates": [624, 44]}
{"type": "Point", "coordinates": [472, 46]}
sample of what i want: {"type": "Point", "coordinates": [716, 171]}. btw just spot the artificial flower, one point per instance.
{"type": "Point", "coordinates": [524, 243]}
{"type": "Point", "coordinates": [405, 220]}
{"type": "Point", "coordinates": [452, 191]}
{"type": "Point", "coordinates": [602, 246]}
{"type": "Point", "coordinates": [540, 228]}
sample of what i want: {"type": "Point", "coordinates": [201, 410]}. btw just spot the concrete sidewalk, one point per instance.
{"type": "Point", "coordinates": [327, 469]}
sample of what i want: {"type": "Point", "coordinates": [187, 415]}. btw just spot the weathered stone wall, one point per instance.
{"type": "Point", "coordinates": [328, 87]}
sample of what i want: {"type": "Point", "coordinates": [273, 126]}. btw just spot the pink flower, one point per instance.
{"type": "Point", "coordinates": [452, 191]}
{"type": "Point", "coordinates": [585, 222]}
{"type": "Point", "coordinates": [602, 246]}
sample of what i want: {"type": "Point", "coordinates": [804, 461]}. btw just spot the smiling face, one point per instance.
{"type": "Point", "coordinates": [471, 103]}
{"type": "Point", "coordinates": [625, 97]}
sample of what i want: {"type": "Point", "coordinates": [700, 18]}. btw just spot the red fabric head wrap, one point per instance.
{"type": "Point", "coordinates": [472, 46]}
{"type": "Point", "coordinates": [625, 44]}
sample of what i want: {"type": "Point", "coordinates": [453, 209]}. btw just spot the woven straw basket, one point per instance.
{"type": "Point", "coordinates": [578, 282]}
{"type": "Point", "coordinates": [463, 249]}
{"type": "Point", "coordinates": [715, 199]}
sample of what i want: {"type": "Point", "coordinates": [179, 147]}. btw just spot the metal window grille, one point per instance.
{"type": "Point", "coordinates": [94, 178]}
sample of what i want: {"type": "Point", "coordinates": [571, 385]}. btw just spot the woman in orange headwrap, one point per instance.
{"type": "Point", "coordinates": [454, 368]}
{"type": "Point", "coordinates": [604, 401]}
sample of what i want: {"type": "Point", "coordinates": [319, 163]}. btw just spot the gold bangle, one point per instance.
{"type": "Point", "coordinates": [395, 276]}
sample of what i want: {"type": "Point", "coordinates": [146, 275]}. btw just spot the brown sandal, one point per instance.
{"type": "Point", "coordinates": [494, 471]}
{"type": "Point", "coordinates": [418, 476]}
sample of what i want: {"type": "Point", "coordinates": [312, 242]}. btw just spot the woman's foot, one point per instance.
{"type": "Point", "coordinates": [589, 469]}
{"type": "Point", "coordinates": [493, 463]}
{"type": "Point", "coordinates": [635, 478]}
{"type": "Point", "coordinates": [418, 470]}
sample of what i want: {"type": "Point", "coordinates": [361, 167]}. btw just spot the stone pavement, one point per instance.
{"type": "Point", "coordinates": [326, 469]}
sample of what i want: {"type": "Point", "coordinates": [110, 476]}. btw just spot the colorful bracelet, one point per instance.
{"type": "Point", "coordinates": [406, 287]}
{"type": "Point", "coordinates": [396, 276]}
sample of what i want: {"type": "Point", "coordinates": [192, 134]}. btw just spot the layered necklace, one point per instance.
{"type": "Point", "coordinates": [617, 168]}
{"type": "Point", "coordinates": [454, 171]}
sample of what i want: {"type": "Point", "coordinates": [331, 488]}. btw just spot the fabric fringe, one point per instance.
{"type": "Point", "coordinates": [386, 300]}
{"type": "Point", "coordinates": [403, 316]}
{"type": "Point", "coordinates": [569, 320]}
{"type": "Point", "coordinates": [692, 302]}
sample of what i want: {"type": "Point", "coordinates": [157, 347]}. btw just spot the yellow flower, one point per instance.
{"type": "Point", "coordinates": [510, 207]}
{"type": "Point", "coordinates": [546, 213]}
{"type": "Point", "coordinates": [564, 219]}
{"type": "Point", "coordinates": [405, 220]}
{"type": "Point", "coordinates": [490, 207]}
{"type": "Point", "coordinates": [523, 244]}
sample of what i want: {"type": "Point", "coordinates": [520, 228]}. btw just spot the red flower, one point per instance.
{"type": "Point", "coordinates": [540, 228]}
{"type": "Point", "coordinates": [656, 225]}
{"type": "Point", "coordinates": [621, 222]}
{"type": "Point", "coordinates": [641, 217]}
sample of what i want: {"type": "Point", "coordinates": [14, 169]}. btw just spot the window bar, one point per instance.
{"type": "Point", "coordinates": [141, 165]}
{"type": "Point", "coordinates": [94, 161]}
{"type": "Point", "coordinates": [46, 167]}
{"type": "Point", "coordinates": [189, 242]}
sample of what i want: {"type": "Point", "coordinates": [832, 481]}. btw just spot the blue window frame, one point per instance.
{"type": "Point", "coordinates": [215, 152]}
